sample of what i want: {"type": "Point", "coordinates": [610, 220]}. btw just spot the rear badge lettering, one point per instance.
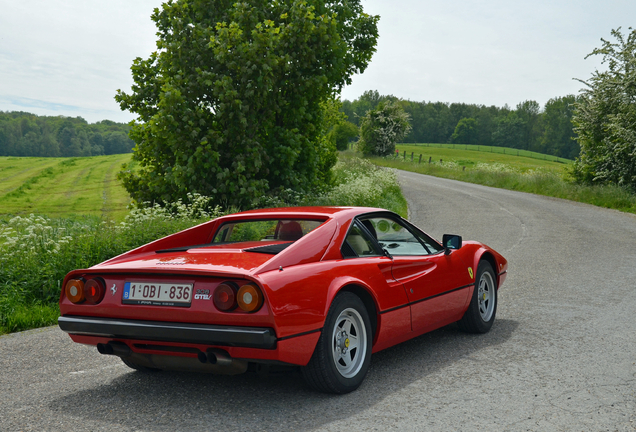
{"type": "Point", "coordinates": [202, 294]}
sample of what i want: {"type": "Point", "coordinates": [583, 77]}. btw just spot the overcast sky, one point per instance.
{"type": "Point", "coordinates": [68, 57]}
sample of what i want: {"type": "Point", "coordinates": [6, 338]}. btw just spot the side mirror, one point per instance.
{"type": "Point", "coordinates": [451, 241]}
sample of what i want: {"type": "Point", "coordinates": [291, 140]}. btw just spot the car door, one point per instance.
{"type": "Point", "coordinates": [437, 284]}
{"type": "Point", "coordinates": [366, 255]}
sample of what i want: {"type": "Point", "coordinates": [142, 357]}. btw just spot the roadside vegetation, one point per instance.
{"type": "Point", "coordinates": [37, 251]}
{"type": "Point", "coordinates": [510, 172]}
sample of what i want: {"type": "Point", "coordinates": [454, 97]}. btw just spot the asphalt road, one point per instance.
{"type": "Point", "coordinates": [560, 357]}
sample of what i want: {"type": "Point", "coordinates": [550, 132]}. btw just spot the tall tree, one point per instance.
{"type": "Point", "coordinates": [530, 112]}
{"type": "Point", "coordinates": [466, 131]}
{"type": "Point", "coordinates": [558, 131]}
{"type": "Point", "coordinates": [233, 102]}
{"type": "Point", "coordinates": [509, 131]}
{"type": "Point", "coordinates": [605, 116]}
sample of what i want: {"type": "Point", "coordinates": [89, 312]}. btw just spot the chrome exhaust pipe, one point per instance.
{"type": "Point", "coordinates": [119, 349]}
{"type": "Point", "coordinates": [218, 357]}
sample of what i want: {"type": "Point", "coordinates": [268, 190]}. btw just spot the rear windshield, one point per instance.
{"type": "Point", "coordinates": [288, 230]}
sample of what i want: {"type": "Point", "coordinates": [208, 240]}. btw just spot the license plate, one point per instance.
{"type": "Point", "coordinates": [157, 294]}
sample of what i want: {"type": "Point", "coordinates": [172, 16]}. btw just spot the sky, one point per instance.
{"type": "Point", "coordinates": [69, 57]}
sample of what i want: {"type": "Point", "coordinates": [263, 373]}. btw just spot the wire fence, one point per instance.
{"type": "Point", "coordinates": [493, 149]}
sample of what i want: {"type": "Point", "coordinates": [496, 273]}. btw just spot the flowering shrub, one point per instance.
{"type": "Point", "coordinates": [36, 252]}
{"type": "Point", "coordinates": [31, 233]}
{"type": "Point", "coordinates": [359, 183]}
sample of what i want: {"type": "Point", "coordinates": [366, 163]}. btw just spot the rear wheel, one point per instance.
{"type": "Point", "coordinates": [343, 353]}
{"type": "Point", "coordinates": [483, 305]}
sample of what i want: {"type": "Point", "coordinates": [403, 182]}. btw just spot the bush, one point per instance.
{"type": "Point", "coordinates": [381, 128]}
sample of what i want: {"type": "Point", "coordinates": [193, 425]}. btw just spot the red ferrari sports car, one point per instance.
{"type": "Point", "coordinates": [317, 287]}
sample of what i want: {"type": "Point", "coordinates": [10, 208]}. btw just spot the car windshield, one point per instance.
{"type": "Point", "coordinates": [288, 230]}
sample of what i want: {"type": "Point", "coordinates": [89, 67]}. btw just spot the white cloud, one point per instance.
{"type": "Point", "coordinates": [68, 57]}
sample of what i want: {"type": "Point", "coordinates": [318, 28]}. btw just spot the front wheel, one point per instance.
{"type": "Point", "coordinates": [343, 353]}
{"type": "Point", "coordinates": [483, 304]}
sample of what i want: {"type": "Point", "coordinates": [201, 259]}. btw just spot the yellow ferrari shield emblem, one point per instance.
{"type": "Point", "coordinates": [347, 343]}
{"type": "Point", "coordinates": [470, 272]}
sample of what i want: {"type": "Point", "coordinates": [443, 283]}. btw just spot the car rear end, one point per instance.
{"type": "Point", "coordinates": [176, 318]}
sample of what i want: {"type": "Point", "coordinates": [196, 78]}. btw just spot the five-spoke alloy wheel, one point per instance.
{"type": "Point", "coordinates": [343, 353]}
{"type": "Point", "coordinates": [483, 305]}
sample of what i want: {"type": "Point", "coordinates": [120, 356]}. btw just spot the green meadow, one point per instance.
{"type": "Point", "coordinates": [471, 156]}
{"type": "Point", "coordinates": [63, 186]}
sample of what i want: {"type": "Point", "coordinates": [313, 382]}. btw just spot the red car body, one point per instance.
{"type": "Point", "coordinates": [403, 295]}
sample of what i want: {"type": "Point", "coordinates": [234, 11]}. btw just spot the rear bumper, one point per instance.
{"type": "Point", "coordinates": [248, 337]}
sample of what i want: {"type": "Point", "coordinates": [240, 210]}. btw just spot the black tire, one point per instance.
{"type": "Point", "coordinates": [343, 353]}
{"type": "Point", "coordinates": [133, 365]}
{"type": "Point", "coordinates": [481, 312]}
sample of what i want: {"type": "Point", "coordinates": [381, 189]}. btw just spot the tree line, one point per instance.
{"type": "Point", "coordinates": [547, 130]}
{"type": "Point", "coordinates": [26, 134]}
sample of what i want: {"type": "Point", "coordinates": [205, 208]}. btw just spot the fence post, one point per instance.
{"type": "Point", "coordinates": [412, 156]}
{"type": "Point", "coordinates": [420, 159]}
{"type": "Point", "coordinates": [430, 159]}
{"type": "Point", "coordinates": [404, 153]}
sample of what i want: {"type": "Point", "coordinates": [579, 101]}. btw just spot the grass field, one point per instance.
{"type": "Point", "coordinates": [471, 158]}
{"type": "Point", "coordinates": [63, 186]}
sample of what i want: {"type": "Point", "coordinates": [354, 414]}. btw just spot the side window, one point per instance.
{"type": "Point", "coordinates": [359, 244]}
{"type": "Point", "coordinates": [397, 239]}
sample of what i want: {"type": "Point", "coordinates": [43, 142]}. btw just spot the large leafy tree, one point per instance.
{"type": "Point", "coordinates": [382, 127]}
{"type": "Point", "coordinates": [235, 101]}
{"type": "Point", "coordinates": [558, 134]}
{"type": "Point", "coordinates": [605, 116]}
{"type": "Point", "coordinates": [466, 131]}
{"type": "Point", "coordinates": [509, 131]}
{"type": "Point", "coordinates": [530, 112]}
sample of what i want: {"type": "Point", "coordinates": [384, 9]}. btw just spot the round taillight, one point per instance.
{"type": "Point", "coordinates": [75, 290]}
{"type": "Point", "coordinates": [224, 297]}
{"type": "Point", "coordinates": [249, 298]}
{"type": "Point", "coordinates": [94, 290]}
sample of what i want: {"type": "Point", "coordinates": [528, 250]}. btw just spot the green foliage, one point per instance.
{"type": "Point", "coordinates": [36, 252]}
{"type": "Point", "coordinates": [234, 102]}
{"type": "Point", "coordinates": [558, 136]}
{"type": "Point", "coordinates": [530, 112]}
{"type": "Point", "coordinates": [605, 117]}
{"type": "Point", "coordinates": [437, 122]}
{"type": "Point", "coordinates": [382, 127]}
{"type": "Point", "coordinates": [360, 183]}
{"type": "Point", "coordinates": [509, 131]}
{"type": "Point", "coordinates": [344, 133]}
{"type": "Point", "coordinates": [25, 134]}
{"type": "Point", "coordinates": [466, 132]}
{"type": "Point", "coordinates": [357, 109]}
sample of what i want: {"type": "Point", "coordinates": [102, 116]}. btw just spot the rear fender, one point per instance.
{"type": "Point", "coordinates": [362, 290]}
